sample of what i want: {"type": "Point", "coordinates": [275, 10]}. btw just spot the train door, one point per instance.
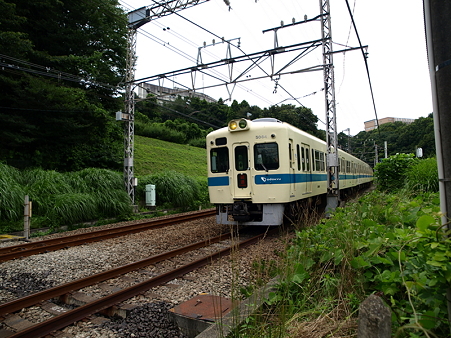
{"type": "Point", "coordinates": [240, 171]}
{"type": "Point", "coordinates": [306, 167]}
{"type": "Point", "coordinates": [292, 167]}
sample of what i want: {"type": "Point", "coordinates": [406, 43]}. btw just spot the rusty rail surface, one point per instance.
{"type": "Point", "coordinates": [28, 249]}
{"type": "Point", "coordinates": [72, 316]}
{"type": "Point", "coordinates": [60, 290]}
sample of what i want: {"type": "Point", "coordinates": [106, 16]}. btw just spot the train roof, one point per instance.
{"type": "Point", "coordinates": [276, 122]}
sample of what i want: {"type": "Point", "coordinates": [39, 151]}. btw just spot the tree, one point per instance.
{"type": "Point", "coordinates": [59, 83]}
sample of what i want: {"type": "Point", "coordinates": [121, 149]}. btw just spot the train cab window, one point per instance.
{"type": "Point", "coordinates": [219, 160]}
{"type": "Point", "coordinates": [266, 156]}
{"type": "Point", "coordinates": [241, 159]}
{"type": "Point", "coordinates": [307, 159]}
{"type": "Point", "coordinates": [221, 141]}
{"type": "Point", "coordinates": [321, 159]}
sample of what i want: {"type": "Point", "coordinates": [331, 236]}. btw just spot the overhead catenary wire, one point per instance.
{"type": "Point", "coordinates": [13, 63]}
{"type": "Point", "coordinates": [238, 47]}
{"type": "Point", "coordinates": [365, 60]}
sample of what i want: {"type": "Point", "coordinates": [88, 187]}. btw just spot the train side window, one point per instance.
{"type": "Point", "coordinates": [241, 159]}
{"type": "Point", "coordinates": [313, 160]}
{"type": "Point", "coordinates": [266, 156]}
{"type": "Point", "coordinates": [303, 158]}
{"type": "Point", "coordinates": [317, 161]}
{"type": "Point", "coordinates": [219, 160]}
{"type": "Point", "coordinates": [299, 156]}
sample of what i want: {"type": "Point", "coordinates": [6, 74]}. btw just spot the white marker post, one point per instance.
{"type": "Point", "coordinates": [26, 217]}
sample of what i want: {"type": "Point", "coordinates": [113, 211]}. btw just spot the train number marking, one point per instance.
{"type": "Point", "coordinates": [259, 137]}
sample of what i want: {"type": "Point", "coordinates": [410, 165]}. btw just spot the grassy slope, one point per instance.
{"type": "Point", "coordinates": [153, 156]}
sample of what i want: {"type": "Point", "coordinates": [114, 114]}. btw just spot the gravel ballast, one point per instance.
{"type": "Point", "coordinates": [223, 278]}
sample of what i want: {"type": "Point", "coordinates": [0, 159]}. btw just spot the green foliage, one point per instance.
{"type": "Point", "coordinates": [391, 244]}
{"type": "Point", "coordinates": [391, 172]}
{"type": "Point", "coordinates": [60, 118]}
{"type": "Point", "coordinates": [423, 176]}
{"type": "Point", "coordinates": [160, 132]}
{"type": "Point", "coordinates": [409, 263]}
{"type": "Point", "coordinates": [400, 138]}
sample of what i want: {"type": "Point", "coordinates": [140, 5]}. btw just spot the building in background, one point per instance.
{"type": "Point", "coordinates": [170, 94]}
{"type": "Point", "coordinates": [370, 125]}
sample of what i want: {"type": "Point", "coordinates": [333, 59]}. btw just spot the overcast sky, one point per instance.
{"type": "Point", "coordinates": [392, 29]}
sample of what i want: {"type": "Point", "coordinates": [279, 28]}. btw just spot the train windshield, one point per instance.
{"type": "Point", "coordinates": [241, 161]}
{"type": "Point", "coordinates": [219, 158]}
{"type": "Point", "coordinates": [266, 156]}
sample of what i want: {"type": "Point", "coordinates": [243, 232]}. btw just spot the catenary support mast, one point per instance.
{"type": "Point", "coordinates": [136, 19]}
{"type": "Point", "coordinates": [333, 192]}
{"type": "Point", "coordinates": [129, 117]}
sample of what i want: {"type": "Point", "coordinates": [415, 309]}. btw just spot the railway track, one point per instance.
{"type": "Point", "coordinates": [72, 316]}
{"type": "Point", "coordinates": [28, 249]}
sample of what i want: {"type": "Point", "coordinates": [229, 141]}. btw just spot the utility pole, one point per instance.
{"type": "Point", "coordinates": [333, 191]}
{"type": "Point", "coordinates": [438, 40]}
{"type": "Point", "coordinates": [136, 19]}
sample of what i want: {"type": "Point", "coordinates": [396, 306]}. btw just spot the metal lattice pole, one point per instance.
{"type": "Point", "coordinates": [333, 193]}
{"type": "Point", "coordinates": [136, 19]}
{"type": "Point", "coordinates": [129, 126]}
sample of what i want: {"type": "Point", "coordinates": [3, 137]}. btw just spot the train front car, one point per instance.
{"type": "Point", "coordinates": [248, 171]}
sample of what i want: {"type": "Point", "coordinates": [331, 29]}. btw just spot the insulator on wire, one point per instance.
{"type": "Point", "coordinates": [227, 2]}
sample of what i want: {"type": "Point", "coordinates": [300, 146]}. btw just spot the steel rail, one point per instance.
{"type": "Point", "coordinates": [60, 290]}
{"type": "Point", "coordinates": [70, 317]}
{"type": "Point", "coordinates": [28, 249]}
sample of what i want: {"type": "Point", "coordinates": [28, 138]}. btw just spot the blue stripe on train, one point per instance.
{"type": "Point", "coordinates": [282, 179]}
{"type": "Point", "coordinates": [289, 178]}
{"type": "Point", "coordinates": [218, 181]}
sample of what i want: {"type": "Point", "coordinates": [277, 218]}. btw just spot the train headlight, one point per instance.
{"type": "Point", "coordinates": [233, 125]}
{"type": "Point", "coordinates": [238, 125]}
{"type": "Point", "coordinates": [242, 124]}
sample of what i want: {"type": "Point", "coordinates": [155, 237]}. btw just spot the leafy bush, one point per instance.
{"type": "Point", "coordinates": [391, 172]}
{"type": "Point", "coordinates": [198, 142]}
{"type": "Point", "coordinates": [423, 176]}
{"type": "Point", "coordinates": [409, 264]}
{"type": "Point", "coordinates": [385, 243]}
{"type": "Point", "coordinates": [160, 131]}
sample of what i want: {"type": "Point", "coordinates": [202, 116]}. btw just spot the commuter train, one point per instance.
{"type": "Point", "coordinates": [259, 169]}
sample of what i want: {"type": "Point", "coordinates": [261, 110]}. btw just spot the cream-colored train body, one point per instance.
{"type": "Point", "coordinates": [257, 168]}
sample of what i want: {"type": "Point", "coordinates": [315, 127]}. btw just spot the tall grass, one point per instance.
{"type": "Point", "coordinates": [11, 194]}
{"type": "Point", "coordinates": [423, 176]}
{"type": "Point", "coordinates": [42, 186]}
{"type": "Point", "coordinates": [61, 198]}
{"type": "Point", "coordinates": [173, 188]}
